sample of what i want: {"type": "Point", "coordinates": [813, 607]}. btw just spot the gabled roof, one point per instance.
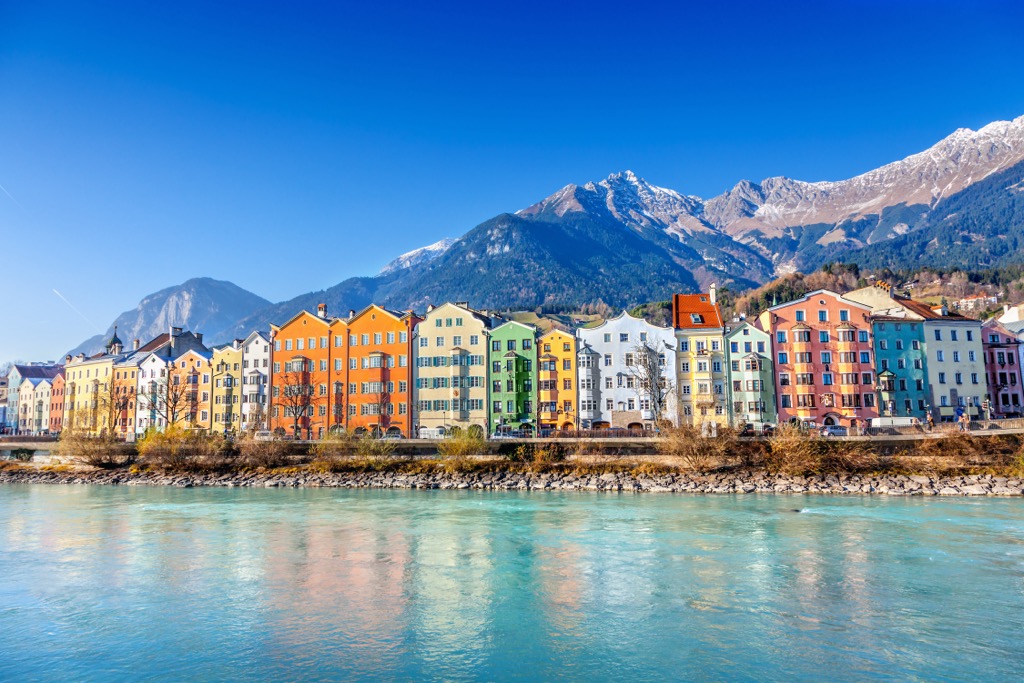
{"type": "Point", "coordinates": [925, 311]}
{"type": "Point", "coordinates": [326, 321]}
{"type": "Point", "coordinates": [696, 312]}
{"type": "Point", "coordinates": [620, 316]}
{"type": "Point", "coordinates": [41, 371]}
{"type": "Point", "coordinates": [821, 292]}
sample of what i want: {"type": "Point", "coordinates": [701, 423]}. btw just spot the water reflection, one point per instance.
{"type": "Point", "coordinates": [278, 585]}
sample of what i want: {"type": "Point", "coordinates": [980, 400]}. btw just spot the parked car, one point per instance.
{"type": "Point", "coordinates": [833, 430]}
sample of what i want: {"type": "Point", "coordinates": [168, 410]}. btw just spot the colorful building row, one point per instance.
{"type": "Point", "coordinates": [824, 359]}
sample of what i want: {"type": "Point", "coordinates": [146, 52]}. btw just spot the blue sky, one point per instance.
{"type": "Point", "coordinates": [145, 143]}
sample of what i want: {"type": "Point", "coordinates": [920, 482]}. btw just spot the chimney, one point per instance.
{"type": "Point", "coordinates": [175, 331]}
{"type": "Point", "coordinates": [430, 307]}
{"type": "Point", "coordinates": [321, 310]}
{"type": "Point", "coordinates": [351, 313]}
{"type": "Point", "coordinates": [67, 359]}
{"type": "Point", "coordinates": [712, 291]}
{"type": "Point", "coordinates": [135, 345]}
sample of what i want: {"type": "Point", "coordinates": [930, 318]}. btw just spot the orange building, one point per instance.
{"type": "Point", "coordinates": [57, 403]}
{"type": "Point", "coordinates": [188, 391]}
{"type": "Point", "coordinates": [309, 373]}
{"type": "Point", "coordinates": [380, 371]}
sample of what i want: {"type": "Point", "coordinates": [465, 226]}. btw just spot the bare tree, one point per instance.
{"type": "Point", "coordinates": [167, 399]}
{"type": "Point", "coordinates": [651, 379]}
{"type": "Point", "coordinates": [297, 397]}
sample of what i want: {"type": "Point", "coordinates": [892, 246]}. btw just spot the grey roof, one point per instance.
{"type": "Point", "coordinates": [40, 371]}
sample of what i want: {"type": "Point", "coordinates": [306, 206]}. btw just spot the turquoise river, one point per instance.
{"type": "Point", "coordinates": [164, 584]}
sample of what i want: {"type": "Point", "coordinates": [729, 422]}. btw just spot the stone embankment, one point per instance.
{"type": "Point", "coordinates": [900, 485]}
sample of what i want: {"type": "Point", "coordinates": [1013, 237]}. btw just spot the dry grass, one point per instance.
{"type": "Point", "coordinates": [178, 449]}
{"type": "Point", "coordinates": [687, 445]}
{"type": "Point", "coordinates": [104, 452]}
{"type": "Point", "coordinates": [265, 454]}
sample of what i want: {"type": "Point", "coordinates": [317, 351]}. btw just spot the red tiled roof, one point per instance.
{"type": "Point", "coordinates": [695, 312]}
{"type": "Point", "coordinates": [925, 311]}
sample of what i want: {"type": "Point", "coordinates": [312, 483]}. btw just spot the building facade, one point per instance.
{"type": "Point", "coordinates": [57, 403]}
{"type": "Point", "coordinates": [227, 387]}
{"type": "Point", "coordinates": [701, 370]}
{"type": "Point", "coordinates": [824, 360]}
{"type": "Point", "coordinates": [255, 381]}
{"type": "Point", "coordinates": [751, 377]}
{"type": "Point", "coordinates": [15, 377]}
{"type": "Point", "coordinates": [557, 381]}
{"type": "Point", "coordinates": [380, 380]}
{"type": "Point", "coordinates": [512, 377]}
{"type": "Point", "coordinates": [1002, 365]}
{"type": "Point", "coordinates": [450, 371]}
{"type": "Point", "coordinates": [309, 374]}
{"type": "Point", "coordinates": [612, 391]}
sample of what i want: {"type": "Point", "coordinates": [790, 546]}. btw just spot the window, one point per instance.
{"type": "Point", "coordinates": [938, 335]}
{"type": "Point", "coordinates": [826, 357]}
{"type": "Point", "coordinates": [844, 316]}
{"type": "Point", "coordinates": [940, 355]}
{"type": "Point", "coordinates": [623, 336]}
{"type": "Point", "coordinates": [971, 356]}
{"type": "Point", "coordinates": [823, 336]}
{"type": "Point", "coordinates": [952, 335]}
{"type": "Point", "coordinates": [942, 378]}
{"type": "Point", "coordinates": [822, 316]}
{"type": "Point", "coordinates": [862, 336]}
{"type": "Point", "coordinates": [883, 344]}
{"type": "Point", "coordinates": [511, 346]}
{"type": "Point", "coordinates": [956, 356]}
{"type": "Point", "coordinates": [865, 357]}
{"type": "Point", "coordinates": [783, 358]}
{"type": "Point", "coordinates": [800, 316]}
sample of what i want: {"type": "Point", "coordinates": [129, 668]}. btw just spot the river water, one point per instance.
{"type": "Point", "coordinates": [139, 583]}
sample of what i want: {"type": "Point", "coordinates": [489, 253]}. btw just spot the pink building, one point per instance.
{"type": "Point", "coordinates": [1001, 350]}
{"type": "Point", "coordinates": [824, 360]}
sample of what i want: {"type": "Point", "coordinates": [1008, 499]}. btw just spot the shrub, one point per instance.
{"type": "Point", "coordinates": [181, 449]}
{"type": "Point", "coordinates": [334, 445]}
{"type": "Point", "coordinates": [696, 451]}
{"type": "Point", "coordinates": [462, 444]}
{"type": "Point", "coordinates": [791, 450]}
{"type": "Point", "coordinates": [267, 453]}
{"type": "Point", "coordinates": [105, 452]}
{"type": "Point", "coordinates": [374, 454]}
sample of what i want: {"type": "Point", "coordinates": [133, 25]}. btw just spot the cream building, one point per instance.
{"type": "Point", "coordinates": [450, 379]}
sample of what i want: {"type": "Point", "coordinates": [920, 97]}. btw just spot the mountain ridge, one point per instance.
{"type": "Point", "coordinates": [622, 240]}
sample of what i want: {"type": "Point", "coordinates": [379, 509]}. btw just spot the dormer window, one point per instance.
{"type": "Point", "coordinates": [696, 318]}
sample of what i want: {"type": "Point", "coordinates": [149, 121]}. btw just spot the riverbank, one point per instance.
{"type": "Point", "coordinates": [503, 480]}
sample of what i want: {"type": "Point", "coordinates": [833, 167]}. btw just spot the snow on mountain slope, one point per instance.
{"type": "Point", "coordinates": [961, 159]}
{"type": "Point", "coordinates": [630, 200]}
{"type": "Point", "coordinates": [418, 256]}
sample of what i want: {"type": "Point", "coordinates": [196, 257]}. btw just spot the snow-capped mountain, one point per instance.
{"type": "Point", "coordinates": [630, 200]}
{"type": "Point", "coordinates": [770, 209]}
{"type": "Point", "coordinates": [418, 256]}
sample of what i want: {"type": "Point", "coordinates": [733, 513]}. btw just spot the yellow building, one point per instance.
{"type": "Point", "coordinates": [227, 387]}
{"type": "Point", "coordinates": [701, 373]}
{"type": "Point", "coordinates": [556, 381]}
{"type": "Point", "coordinates": [90, 405]}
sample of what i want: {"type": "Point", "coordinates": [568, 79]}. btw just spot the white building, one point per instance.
{"type": "Point", "coordinates": [255, 380]}
{"type": "Point", "coordinates": [611, 391]}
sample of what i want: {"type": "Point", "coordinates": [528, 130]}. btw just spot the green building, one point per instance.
{"type": "Point", "coordinates": [512, 377]}
{"type": "Point", "coordinates": [751, 375]}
